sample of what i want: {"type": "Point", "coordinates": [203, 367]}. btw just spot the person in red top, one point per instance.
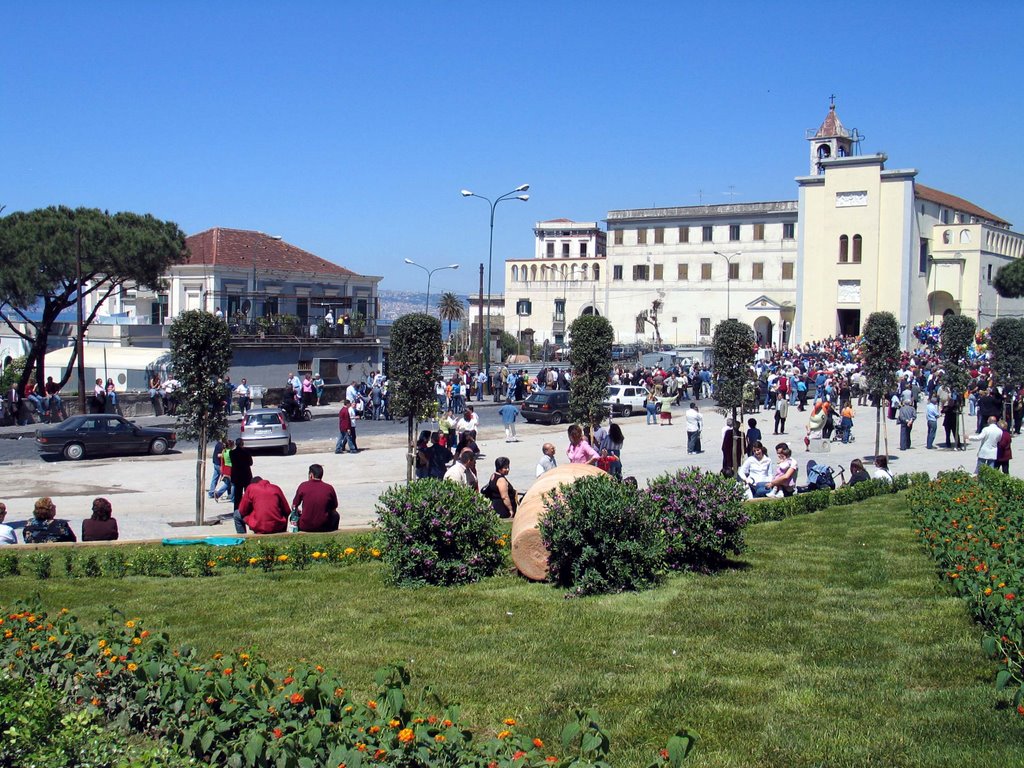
{"type": "Point", "coordinates": [264, 508]}
{"type": "Point", "coordinates": [316, 503]}
{"type": "Point", "coordinates": [346, 429]}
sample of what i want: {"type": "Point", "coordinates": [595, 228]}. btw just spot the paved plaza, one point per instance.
{"type": "Point", "coordinates": [149, 492]}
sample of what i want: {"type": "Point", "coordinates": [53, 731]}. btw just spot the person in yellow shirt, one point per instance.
{"type": "Point", "coordinates": [846, 422]}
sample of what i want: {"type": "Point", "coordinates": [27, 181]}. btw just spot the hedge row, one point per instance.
{"type": "Point", "coordinates": [805, 503]}
{"type": "Point", "coordinates": [974, 529]}
{"type": "Point", "coordinates": [233, 710]}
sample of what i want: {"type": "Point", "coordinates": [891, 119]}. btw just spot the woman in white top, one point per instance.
{"type": "Point", "coordinates": [756, 472]}
{"type": "Point", "coordinates": [882, 469]}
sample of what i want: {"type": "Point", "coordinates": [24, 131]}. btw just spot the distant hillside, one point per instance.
{"type": "Point", "coordinates": [394, 304]}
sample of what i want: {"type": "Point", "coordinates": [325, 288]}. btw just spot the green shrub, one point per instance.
{"type": "Point", "coordinates": [602, 536]}
{"type": "Point", "coordinates": [40, 564]}
{"type": "Point", "coordinates": [702, 515]}
{"type": "Point", "coordinates": [9, 564]}
{"type": "Point", "coordinates": [438, 532]}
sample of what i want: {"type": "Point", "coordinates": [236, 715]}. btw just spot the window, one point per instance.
{"type": "Point", "coordinates": [565, 250]}
{"type": "Point", "coordinates": [583, 250]}
{"type": "Point", "coordinates": [734, 271]}
{"type": "Point", "coordinates": [641, 237]}
{"type": "Point", "coordinates": [659, 235]}
{"type": "Point", "coordinates": [989, 276]}
{"type": "Point", "coordinates": [551, 250]}
{"type": "Point", "coordinates": [515, 273]}
{"type": "Point", "coordinates": [787, 270]}
{"type": "Point", "coordinates": [759, 231]}
{"type": "Point", "coordinates": [684, 234]}
{"type": "Point", "coordinates": [559, 309]}
{"type": "Point", "coordinates": [844, 249]}
{"type": "Point", "coordinates": [857, 244]}
{"type": "Point", "coordinates": [617, 272]}
{"type": "Point", "coordinates": [618, 237]}
{"type": "Point", "coordinates": [659, 271]}
{"type": "Point", "coordinates": [641, 272]}
{"type": "Point", "coordinates": [788, 230]}
{"type": "Point", "coordinates": [706, 234]}
{"type": "Point", "coordinates": [597, 272]}
{"type": "Point", "coordinates": [705, 326]}
{"type": "Point", "coordinates": [683, 272]}
{"type": "Point", "coordinates": [757, 270]}
{"type": "Point", "coordinates": [734, 232]}
{"type": "Point", "coordinates": [524, 307]}
{"type": "Point", "coordinates": [705, 271]}
{"type": "Point", "coordinates": [922, 256]}
{"type": "Point", "coordinates": [944, 215]}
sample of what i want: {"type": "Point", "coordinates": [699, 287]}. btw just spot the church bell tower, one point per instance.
{"type": "Point", "coordinates": [831, 140]}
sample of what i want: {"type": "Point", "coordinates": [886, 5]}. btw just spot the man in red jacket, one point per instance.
{"type": "Point", "coordinates": [264, 508]}
{"type": "Point", "coordinates": [346, 429]}
{"type": "Point", "coordinates": [316, 503]}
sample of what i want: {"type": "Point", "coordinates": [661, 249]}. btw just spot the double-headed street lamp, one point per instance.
{"type": "Point", "coordinates": [515, 194]}
{"type": "Point", "coordinates": [728, 281]}
{"type": "Point", "coordinates": [430, 273]}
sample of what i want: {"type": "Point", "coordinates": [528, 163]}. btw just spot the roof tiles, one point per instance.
{"type": "Point", "coordinates": [244, 248]}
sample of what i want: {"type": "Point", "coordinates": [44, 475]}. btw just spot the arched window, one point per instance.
{"type": "Point", "coordinates": [533, 272]}
{"type": "Point", "coordinates": [947, 237]}
{"type": "Point", "coordinates": [965, 235]}
{"type": "Point", "coordinates": [572, 273]}
{"type": "Point", "coordinates": [597, 271]}
{"type": "Point", "coordinates": [844, 249]}
{"type": "Point", "coordinates": [515, 273]}
{"type": "Point", "coordinates": [857, 244]}
{"type": "Point", "coordinates": [584, 272]}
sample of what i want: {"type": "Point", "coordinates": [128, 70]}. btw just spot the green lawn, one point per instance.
{"type": "Point", "coordinates": [831, 644]}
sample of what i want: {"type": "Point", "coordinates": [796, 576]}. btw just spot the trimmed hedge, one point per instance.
{"type": "Point", "coordinates": [813, 501]}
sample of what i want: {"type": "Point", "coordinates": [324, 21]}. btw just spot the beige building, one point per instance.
{"type": "Point", "coordinates": [873, 239]}
{"type": "Point", "coordinates": [859, 238]}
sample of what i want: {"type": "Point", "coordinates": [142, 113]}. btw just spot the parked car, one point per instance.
{"type": "Point", "coordinates": [267, 428]}
{"type": "Point", "coordinates": [548, 407]}
{"type": "Point", "coordinates": [102, 433]}
{"type": "Point", "coordinates": [627, 399]}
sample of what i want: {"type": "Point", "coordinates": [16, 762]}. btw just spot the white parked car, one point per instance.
{"type": "Point", "coordinates": [627, 399]}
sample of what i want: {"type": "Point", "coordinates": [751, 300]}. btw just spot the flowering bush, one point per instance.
{"type": "Point", "coordinates": [234, 710]}
{"type": "Point", "coordinates": [702, 515]}
{"type": "Point", "coordinates": [975, 531]}
{"type": "Point", "coordinates": [602, 536]}
{"type": "Point", "coordinates": [439, 532]}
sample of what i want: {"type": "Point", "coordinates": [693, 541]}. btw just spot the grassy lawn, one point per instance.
{"type": "Point", "coordinates": [831, 644]}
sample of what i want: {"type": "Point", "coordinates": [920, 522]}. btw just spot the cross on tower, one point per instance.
{"type": "Point", "coordinates": [832, 99]}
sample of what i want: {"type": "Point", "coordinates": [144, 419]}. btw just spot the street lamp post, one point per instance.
{"type": "Point", "coordinates": [430, 274]}
{"type": "Point", "coordinates": [515, 194]}
{"type": "Point", "coordinates": [728, 281]}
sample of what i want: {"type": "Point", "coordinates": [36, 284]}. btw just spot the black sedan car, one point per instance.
{"type": "Point", "coordinates": [548, 407]}
{"type": "Point", "coordinates": [102, 433]}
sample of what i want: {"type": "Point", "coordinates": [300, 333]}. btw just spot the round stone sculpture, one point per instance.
{"type": "Point", "coordinates": [528, 551]}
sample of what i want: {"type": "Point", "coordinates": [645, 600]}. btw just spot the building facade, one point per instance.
{"type": "Point", "coordinates": [859, 238]}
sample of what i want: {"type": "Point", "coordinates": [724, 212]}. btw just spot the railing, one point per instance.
{"type": "Point", "coordinates": [274, 330]}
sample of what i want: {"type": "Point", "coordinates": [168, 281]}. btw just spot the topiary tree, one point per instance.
{"type": "Point", "coordinates": [590, 355]}
{"type": "Point", "coordinates": [956, 336]}
{"type": "Point", "coordinates": [416, 357]}
{"type": "Point", "coordinates": [508, 345]}
{"type": "Point", "coordinates": [880, 352]}
{"type": "Point", "coordinates": [1006, 344]}
{"type": "Point", "coordinates": [1009, 280]}
{"type": "Point", "coordinates": [200, 357]}
{"type": "Point", "coordinates": [733, 344]}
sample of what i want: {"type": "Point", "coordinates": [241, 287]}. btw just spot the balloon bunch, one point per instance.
{"type": "Point", "coordinates": [927, 334]}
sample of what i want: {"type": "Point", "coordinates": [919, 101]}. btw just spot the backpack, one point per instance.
{"type": "Point", "coordinates": [821, 477]}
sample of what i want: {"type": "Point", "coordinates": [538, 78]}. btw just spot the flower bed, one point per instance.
{"type": "Point", "coordinates": [975, 531]}
{"type": "Point", "coordinates": [234, 710]}
{"type": "Point", "coordinates": [291, 553]}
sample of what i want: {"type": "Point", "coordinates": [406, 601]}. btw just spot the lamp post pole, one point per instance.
{"type": "Point", "coordinates": [515, 194]}
{"type": "Point", "coordinates": [430, 274]}
{"type": "Point", "coordinates": [728, 281]}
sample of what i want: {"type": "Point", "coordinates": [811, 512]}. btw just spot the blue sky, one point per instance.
{"type": "Point", "coordinates": [349, 129]}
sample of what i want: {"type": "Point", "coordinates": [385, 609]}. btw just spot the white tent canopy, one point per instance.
{"type": "Point", "coordinates": [124, 365]}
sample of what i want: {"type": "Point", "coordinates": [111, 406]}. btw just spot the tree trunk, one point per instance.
{"type": "Point", "coordinates": [885, 437]}
{"type": "Point", "coordinates": [201, 477]}
{"type": "Point", "coordinates": [411, 451]}
{"type": "Point", "coordinates": [737, 442]}
{"type": "Point", "coordinates": [878, 427]}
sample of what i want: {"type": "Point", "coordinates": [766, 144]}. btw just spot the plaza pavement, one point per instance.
{"type": "Point", "coordinates": [149, 492]}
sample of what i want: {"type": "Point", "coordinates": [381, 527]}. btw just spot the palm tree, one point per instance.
{"type": "Point", "coordinates": [450, 308]}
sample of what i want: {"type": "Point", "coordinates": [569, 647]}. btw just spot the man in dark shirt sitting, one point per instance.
{"type": "Point", "coordinates": [316, 503]}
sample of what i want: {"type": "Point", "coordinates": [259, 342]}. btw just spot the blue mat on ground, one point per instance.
{"type": "Point", "coordinates": [212, 541]}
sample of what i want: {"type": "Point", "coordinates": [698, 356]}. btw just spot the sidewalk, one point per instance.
{"type": "Point", "coordinates": [148, 492]}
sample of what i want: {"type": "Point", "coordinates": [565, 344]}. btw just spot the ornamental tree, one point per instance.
{"type": "Point", "coordinates": [956, 337]}
{"type": "Point", "coordinates": [880, 352]}
{"type": "Point", "coordinates": [590, 355]}
{"type": "Point", "coordinates": [733, 343]}
{"type": "Point", "coordinates": [414, 364]}
{"type": "Point", "coordinates": [40, 251]}
{"type": "Point", "coordinates": [1006, 343]}
{"type": "Point", "coordinates": [200, 357]}
{"type": "Point", "coordinates": [1009, 280]}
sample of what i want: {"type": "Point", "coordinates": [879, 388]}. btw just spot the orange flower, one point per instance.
{"type": "Point", "coordinates": [278, 733]}
{"type": "Point", "coordinates": [379, 754]}
{"type": "Point", "coordinates": [518, 754]}
{"type": "Point", "coordinates": [504, 734]}
{"type": "Point", "coordinates": [228, 671]}
{"type": "Point", "coordinates": [371, 704]}
{"type": "Point", "coordinates": [361, 747]}
{"type": "Point", "coordinates": [132, 666]}
{"type": "Point", "coordinates": [136, 641]}
{"type": "Point", "coordinates": [550, 759]}
{"type": "Point", "coordinates": [1009, 596]}
{"type": "Point", "coordinates": [96, 702]}
{"type": "Point", "coordinates": [144, 633]}
{"type": "Point", "coordinates": [509, 721]}
{"type": "Point", "coordinates": [439, 738]}
{"type": "Point", "coordinates": [297, 698]}
{"type": "Point", "coordinates": [538, 743]}
{"type": "Point", "coordinates": [394, 723]}
{"type": "Point", "coordinates": [446, 723]}
{"type": "Point", "coordinates": [374, 729]}
{"type": "Point", "coordinates": [432, 719]}
{"type": "Point", "coordinates": [288, 680]}
{"type": "Point", "coordinates": [130, 624]}
{"type": "Point", "coordinates": [405, 735]}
